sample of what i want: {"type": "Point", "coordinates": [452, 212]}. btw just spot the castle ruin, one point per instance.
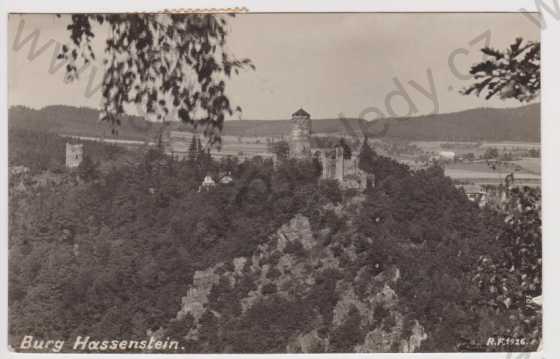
{"type": "Point", "coordinates": [334, 165]}
{"type": "Point", "coordinates": [300, 136]}
{"type": "Point", "coordinates": [345, 171]}
{"type": "Point", "coordinates": [74, 154]}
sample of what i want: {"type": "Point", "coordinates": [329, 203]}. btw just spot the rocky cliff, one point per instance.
{"type": "Point", "coordinates": [340, 307]}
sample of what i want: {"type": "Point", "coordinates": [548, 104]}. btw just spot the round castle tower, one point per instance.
{"type": "Point", "coordinates": [74, 154]}
{"type": "Point", "coordinates": [300, 137]}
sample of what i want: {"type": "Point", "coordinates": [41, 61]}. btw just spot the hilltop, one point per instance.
{"type": "Point", "coordinates": [481, 124]}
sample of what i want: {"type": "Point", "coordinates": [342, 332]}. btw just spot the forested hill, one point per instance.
{"type": "Point", "coordinates": [481, 124]}
{"type": "Point", "coordinates": [79, 121]}
{"type": "Point", "coordinates": [490, 124]}
{"type": "Point", "coordinates": [275, 261]}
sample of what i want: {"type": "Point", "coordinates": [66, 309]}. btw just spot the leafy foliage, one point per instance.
{"type": "Point", "coordinates": [511, 74]}
{"type": "Point", "coordinates": [347, 151]}
{"type": "Point", "coordinates": [165, 63]}
{"type": "Point", "coordinates": [88, 170]}
{"type": "Point", "coordinates": [142, 229]}
{"type": "Point", "coordinates": [382, 167]}
{"type": "Point", "coordinates": [491, 153]}
{"type": "Point", "coordinates": [280, 148]}
{"type": "Point", "coordinates": [511, 278]}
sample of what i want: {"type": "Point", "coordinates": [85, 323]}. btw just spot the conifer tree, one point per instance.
{"type": "Point", "coordinates": [193, 151]}
{"type": "Point", "coordinates": [366, 157]}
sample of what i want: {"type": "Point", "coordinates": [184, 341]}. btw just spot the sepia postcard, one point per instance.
{"type": "Point", "coordinates": [235, 182]}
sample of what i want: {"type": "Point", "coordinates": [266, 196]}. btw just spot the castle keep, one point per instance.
{"type": "Point", "coordinates": [300, 136]}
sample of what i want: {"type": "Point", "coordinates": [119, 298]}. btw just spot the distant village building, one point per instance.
{"type": "Point", "coordinates": [207, 184]}
{"type": "Point", "coordinates": [446, 155]}
{"type": "Point", "coordinates": [494, 196]}
{"type": "Point", "coordinates": [475, 193]}
{"type": "Point", "coordinates": [74, 154]}
{"type": "Point", "coordinates": [227, 179]}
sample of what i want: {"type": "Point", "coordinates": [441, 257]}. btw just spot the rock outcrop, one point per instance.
{"type": "Point", "coordinates": [290, 266]}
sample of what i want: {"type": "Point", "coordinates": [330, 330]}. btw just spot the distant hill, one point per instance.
{"type": "Point", "coordinates": [81, 121]}
{"type": "Point", "coordinates": [282, 127]}
{"type": "Point", "coordinates": [481, 124]}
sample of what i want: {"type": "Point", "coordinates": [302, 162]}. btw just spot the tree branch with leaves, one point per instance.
{"type": "Point", "coordinates": [511, 74]}
{"type": "Point", "coordinates": [165, 63]}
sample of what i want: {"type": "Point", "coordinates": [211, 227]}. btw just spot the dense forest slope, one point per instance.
{"type": "Point", "coordinates": [275, 261]}
{"type": "Point", "coordinates": [482, 124]}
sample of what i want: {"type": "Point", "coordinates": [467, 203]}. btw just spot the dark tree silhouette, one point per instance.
{"type": "Point", "coordinates": [347, 151]}
{"type": "Point", "coordinates": [366, 157]}
{"type": "Point", "coordinates": [193, 149]}
{"type": "Point", "coordinates": [88, 170]}
{"type": "Point", "coordinates": [511, 74]}
{"type": "Point", "coordinates": [165, 63]}
{"type": "Point", "coordinates": [511, 276]}
{"type": "Point", "coordinates": [280, 149]}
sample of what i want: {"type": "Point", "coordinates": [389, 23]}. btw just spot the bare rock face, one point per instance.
{"type": "Point", "coordinates": [415, 340]}
{"type": "Point", "coordinates": [348, 299]}
{"type": "Point", "coordinates": [386, 297]}
{"type": "Point", "coordinates": [197, 296]}
{"type": "Point", "coordinates": [382, 340]}
{"type": "Point", "coordinates": [288, 267]}
{"type": "Point", "coordinates": [290, 272]}
{"type": "Point", "coordinates": [376, 341]}
{"type": "Point", "coordinates": [239, 264]}
{"type": "Point", "coordinates": [309, 342]}
{"type": "Point", "coordinates": [297, 230]}
{"type": "Point", "coordinates": [388, 333]}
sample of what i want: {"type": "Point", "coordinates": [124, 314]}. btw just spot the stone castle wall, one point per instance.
{"type": "Point", "coordinates": [74, 155]}
{"type": "Point", "coordinates": [334, 165]}
{"type": "Point", "coordinates": [345, 171]}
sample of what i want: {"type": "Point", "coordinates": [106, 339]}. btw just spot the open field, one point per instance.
{"type": "Point", "coordinates": [466, 174]}
{"type": "Point", "coordinates": [492, 178]}
{"type": "Point", "coordinates": [477, 148]}
{"type": "Point", "coordinates": [524, 165]}
{"type": "Point", "coordinates": [512, 146]}
{"type": "Point", "coordinates": [532, 165]}
{"type": "Point", "coordinates": [483, 166]}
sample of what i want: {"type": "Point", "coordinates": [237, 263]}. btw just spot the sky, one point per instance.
{"type": "Point", "coordinates": [355, 64]}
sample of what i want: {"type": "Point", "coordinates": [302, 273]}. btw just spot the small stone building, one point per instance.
{"type": "Point", "coordinates": [74, 154]}
{"type": "Point", "coordinates": [207, 184]}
